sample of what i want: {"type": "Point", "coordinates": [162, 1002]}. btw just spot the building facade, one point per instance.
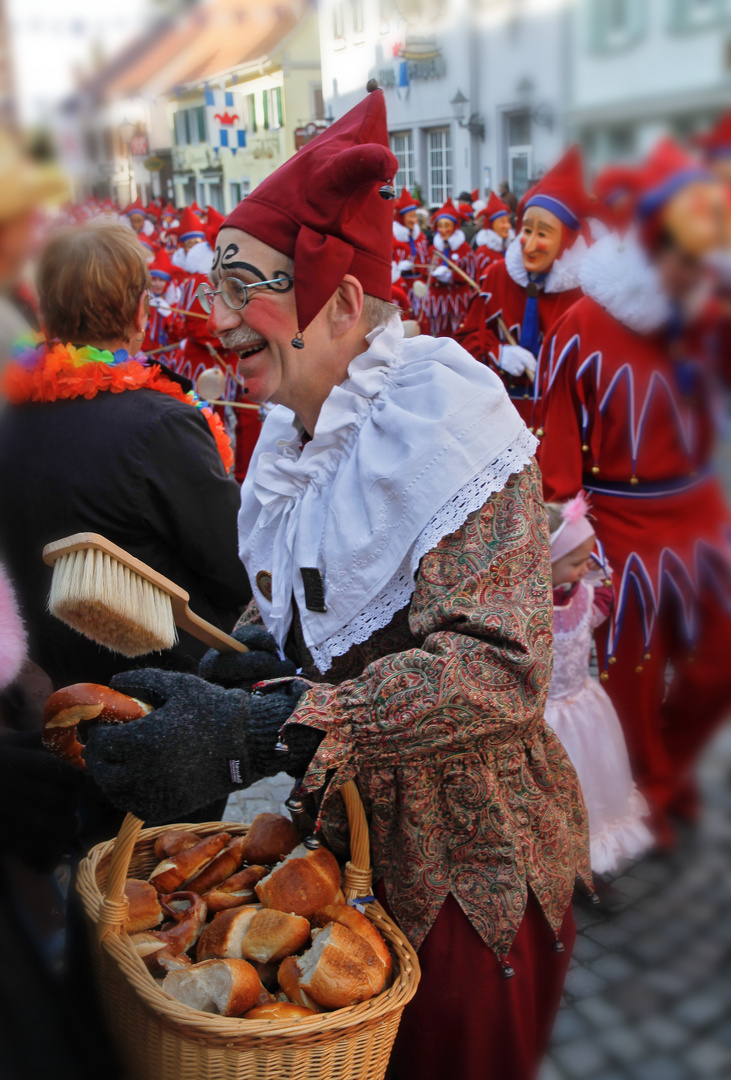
{"type": "Point", "coordinates": [475, 89]}
{"type": "Point", "coordinates": [640, 68]}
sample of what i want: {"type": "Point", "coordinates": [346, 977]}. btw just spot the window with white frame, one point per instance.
{"type": "Point", "coordinates": [274, 117]}
{"type": "Point", "coordinates": [439, 165]}
{"type": "Point", "coordinates": [238, 190]}
{"type": "Point", "coordinates": [697, 14]}
{"type": "Point", "coordinates": [615, 24]}
{"type": "Point", "coordinates": [339, 21]}
{"type": "Point", "coordinates": [358, 18]}
{"type": "Point", "coordinates": [402, 147]}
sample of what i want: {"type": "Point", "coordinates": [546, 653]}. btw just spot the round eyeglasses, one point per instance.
{"type": "Point", "coordinates": [234, 293]}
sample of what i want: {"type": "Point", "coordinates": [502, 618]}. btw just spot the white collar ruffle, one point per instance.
{"type": "Point", "coordinates": [402, 234]}
{"type": "Point", "coordinates": [563, 275]}
{"type": "Point", "coordinates": [455, 240]}
{"type": "Point", "coordinates": [415, 439]}
{"type": "Point", "coordinates": [619, 276]}
{"type": "Point", "coordinates": [489, 238]}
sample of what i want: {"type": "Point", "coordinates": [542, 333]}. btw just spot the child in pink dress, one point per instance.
{"type": "Point", "coordinates": [578, 709]}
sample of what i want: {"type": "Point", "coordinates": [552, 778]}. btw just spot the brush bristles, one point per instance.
{"type": "Point", "coordinates": [111, 604]}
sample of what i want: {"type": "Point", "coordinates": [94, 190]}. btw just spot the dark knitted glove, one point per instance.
{"type": "Point", "coordinates": [201, 743]}
{"type": "Point", "coordinates": [243, 670]}
{"type": "Point", "coordinates": [39, 795]}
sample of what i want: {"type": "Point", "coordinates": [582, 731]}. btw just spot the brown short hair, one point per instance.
{"type": "Point", "coordinates": [90, 280]}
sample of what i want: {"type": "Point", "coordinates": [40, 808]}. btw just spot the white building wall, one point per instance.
{"type": "Point", "coordinates": [485, 52]}
{"type": "Point", "coordinates": [658, 66]}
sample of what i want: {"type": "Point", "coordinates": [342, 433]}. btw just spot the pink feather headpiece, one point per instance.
{"type": "Point", "coordinates": [574, 529]}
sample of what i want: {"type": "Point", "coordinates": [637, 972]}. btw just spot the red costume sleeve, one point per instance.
{"type": "Point", "coordinates": [559, 452]}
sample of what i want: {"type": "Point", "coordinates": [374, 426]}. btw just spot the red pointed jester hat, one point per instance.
{"type": "Point", "coordinates": [495, 208]}
{"type": "Point", "coordinates": [716, 143]}
{"type": "Point", "coordinates": [449, 211]}
{"type": "Point", "coordinates": [328, 208]}
{"type": "Point", "coordinates": [562, 192]}
{"type": "Point", "coordinates": [161, 267]}
{"type": "Point", "coordinates": [214, 221]}
{"type": "Point", "coordinates": [405, 202]}
{"type": "Point", "coordinates": [191, 227]}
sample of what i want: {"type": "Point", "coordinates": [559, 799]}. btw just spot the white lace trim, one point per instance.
{"type": "Point", "coordinates": [447, 520]}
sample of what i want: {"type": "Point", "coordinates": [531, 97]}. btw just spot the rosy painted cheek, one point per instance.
{"type": "Point", "coordinates": [542, 246]}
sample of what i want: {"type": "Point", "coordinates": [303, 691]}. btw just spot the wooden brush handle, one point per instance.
{"type": "Point", "coordinates": [210, 635]}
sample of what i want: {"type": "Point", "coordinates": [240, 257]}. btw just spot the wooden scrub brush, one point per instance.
{"type": "Point", "coordinates": [116, 600]}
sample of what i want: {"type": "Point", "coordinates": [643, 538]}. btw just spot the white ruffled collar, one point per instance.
{"type": "Point", "coordinates": [402, 234]}
{"type": "Point", "coordinates": [455, 240]}
{"type": "Point", "coordinates": [489, 238]}
{"type": "Point", "coordinates": [563, 275]}
{"type": "Point", "coordinates": [346, 503]}
{"type": "Point", "coordinates": [618, 275]}
{"type": "Point", "coordinates": [198, 260]}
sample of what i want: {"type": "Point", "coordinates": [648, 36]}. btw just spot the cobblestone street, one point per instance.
{"type": "Point", "coordinates": [648, 996]}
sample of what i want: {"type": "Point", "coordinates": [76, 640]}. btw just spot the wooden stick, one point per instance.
{"type": "Point", "coordinates": [163, 348]}
{"type": "Point", "coordinates": [193, 314]}
{"type": "Point", "coordinates": [236, 404]}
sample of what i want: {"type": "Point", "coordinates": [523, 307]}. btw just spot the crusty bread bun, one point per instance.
{"type": "Point", "coordinates": [172, 873]}
{"type": "Point", "coordinates": [272, 935]}
{"type": "Point", "coordinates": [359, 924]}
{"type": "Point", "coordinates": [269, 839]}
{"type": "Point", "coordinates": [288, 978]}
{"type": "Point", "coordinates": [279, 1010]}
{"type": "Point", "coordinates": [304, 883]}
{"type": "Point", "coordinates": [226, 863]}
{"type": "Point", "coordinates": [144, 907]}
{"type": "Point", "coordinates": [223, 936]}
{"type": "Point", "coordinates": [236, 890]}
{"type": "Point", "coordinates": [227, 987]}
{"type": "Point", "coordinates": [77, 704]}
{"type": "Point", "coordinates": [340, 968]}
{"type": "Point", "coordinates": [174, 840]}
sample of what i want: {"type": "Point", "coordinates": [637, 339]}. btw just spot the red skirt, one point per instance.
{"type": "Point", "coordinates": [467, 1020]}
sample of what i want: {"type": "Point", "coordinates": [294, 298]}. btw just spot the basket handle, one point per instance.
{"type": "Point", "coordinates": [115, 905]}
{"type": "Point", "coordinates": [358, 877]}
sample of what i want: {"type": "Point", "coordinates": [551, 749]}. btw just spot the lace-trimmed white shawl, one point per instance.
{"type": "Point", "coordinates": [415, 440]}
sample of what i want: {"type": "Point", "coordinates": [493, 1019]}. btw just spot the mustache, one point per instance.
{"type": "Point", "coordinates": [238, 339]}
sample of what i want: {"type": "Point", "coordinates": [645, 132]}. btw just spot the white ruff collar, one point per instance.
{"type": "Point", "coordinates": [618, 275]}
{"type": "Point", "coordinates": [415, 440]}
{"type": "Point", "coordinates": [401, 233]}
{"type": "Point", "coordinates": [199, 259]}
{"type": "Point", "coordinates": [455, 240]}
{"type": "Point", "coordinates": [563, 275]}
{"type": "Point", "coordinates": [489, 238]}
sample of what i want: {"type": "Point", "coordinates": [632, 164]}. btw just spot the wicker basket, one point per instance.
{"type": "Point", "coordinates": [160, 1039]}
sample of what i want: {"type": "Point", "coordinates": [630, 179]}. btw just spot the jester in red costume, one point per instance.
{"type": "Point", "coordinates": [164, 296]}
{"type": "Point", "coordinates": [526, 292]}
{"type": "Point", "coordinates": [449, 294]}
{"type": "Point", "coordinates": [496, 232]}
{"type": "Point", "coordinates": [626, 415]}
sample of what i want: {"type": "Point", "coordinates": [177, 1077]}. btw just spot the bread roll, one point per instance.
{"type": "Point", "coordinates": [223, 936]}
{"type": "Point", "coordinates": [227, 987]}
{"type": "Point", "coordinates": [172, 873]}
{"type": "Point", "coordinates": [304, 883]}
{"type": "Point", "coordinates": [272, 935]}
{"type": "Point", "coordinates": [359, 924]}
{"type": "Point", "coordinates": [174, 840]}
{"type": "Point", "coordinates": [340, 968]}
{"type": "Point", "coordinates": [77, 704]}
{"type": "Point", "coordinates": [144, 907]}
{"type": "Point", "coordinates": [236, 890]}
{"type": "Point", "coordinates": [270, 838]}
{"type": "Point", "coordinates": [279, 1010]}
{"type": "Point", "coordinates": [288, 978]}
{"type": "Point", "coordinates": [226, 863]}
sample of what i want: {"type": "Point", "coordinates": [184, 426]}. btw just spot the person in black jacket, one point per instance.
{"type": "Point", "coordinates": [99, 441]}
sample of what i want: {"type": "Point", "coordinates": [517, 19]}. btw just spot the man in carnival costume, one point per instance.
{"type": "Point", "coordinates": [449, 293]}
{"type": "Point", "coordinates": [534, 284]}
{"type": "Point", "coordinates": [393, 530]}
{"type": "Point", "coordinates": [491, 242]}
{"type": "Point", "coordinates": [627, 416]}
